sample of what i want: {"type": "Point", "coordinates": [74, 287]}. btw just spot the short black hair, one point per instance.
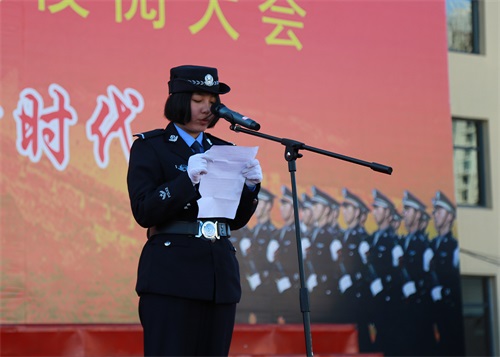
{"type": "Point", "coordinates": [178, 108]}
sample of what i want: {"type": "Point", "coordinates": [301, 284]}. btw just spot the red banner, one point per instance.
{"type": "Point", "coordinates": [366, 79]}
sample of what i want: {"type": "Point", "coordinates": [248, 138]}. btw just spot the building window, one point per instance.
{"type": "Point", "coordinates": [477, 315]}
{"type": "Point", "coordinates": [468, 153]}
{"type": "Point", "coordinates": [462, 18]}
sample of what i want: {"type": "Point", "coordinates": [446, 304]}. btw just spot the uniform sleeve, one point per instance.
{"type": "Point", "coordinates": [154, 201]}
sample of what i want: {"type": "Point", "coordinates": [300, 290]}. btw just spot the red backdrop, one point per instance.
{"type": "Point", "coordinates": [367, 79]}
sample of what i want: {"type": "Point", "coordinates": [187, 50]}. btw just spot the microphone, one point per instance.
{"type": "Point", "coordinates": [233, 117]}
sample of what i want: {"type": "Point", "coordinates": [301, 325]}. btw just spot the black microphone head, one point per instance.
{"type": "Point", "coordinates": [255, 126]}
{"type": "Point", "coordinates": [221, 111]}
{"type": "Point", "coordinates": [215, 108]}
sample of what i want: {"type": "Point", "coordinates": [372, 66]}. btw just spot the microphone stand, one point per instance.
{"type": "Point", "coordinates": [292, 148]}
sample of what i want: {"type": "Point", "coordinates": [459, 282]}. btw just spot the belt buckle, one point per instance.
{"type": "Point", "coordinates": [208, 229]}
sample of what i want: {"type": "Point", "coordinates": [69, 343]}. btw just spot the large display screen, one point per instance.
{"type": "Point", "coordinates": [364, 79]}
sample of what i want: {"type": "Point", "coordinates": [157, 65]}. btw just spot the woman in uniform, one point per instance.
{"type": "Point", "coordinates": [188, 275]}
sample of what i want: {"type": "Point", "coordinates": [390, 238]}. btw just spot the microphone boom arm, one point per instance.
{"type": "Point", "coordinates": [293, 146]}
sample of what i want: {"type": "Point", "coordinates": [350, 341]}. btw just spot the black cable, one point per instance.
{"type": "Point", "coordinates": [489, 259]}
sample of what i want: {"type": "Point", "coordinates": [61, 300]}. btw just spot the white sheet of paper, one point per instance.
{"type": "Point", "coordinates": [221, 187]}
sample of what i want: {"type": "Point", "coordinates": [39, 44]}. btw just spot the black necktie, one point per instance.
{"type": "Point", "coordinates": [196, 147]}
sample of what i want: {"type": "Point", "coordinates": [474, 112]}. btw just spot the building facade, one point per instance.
{"type": "Point", "coordinates": [474, 75]}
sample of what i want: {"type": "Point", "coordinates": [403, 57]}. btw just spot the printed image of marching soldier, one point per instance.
{"type": "Point", "coordinates": [400, 288]}
{"type": "Point", "coordinates": [424, 223]}
{"type": "Point", "coordinates": [307, 227]}
{"type": "Point", "coordinates": [417, 337]}
{"type": "Point", "coordinates": [254, 267]}
{"type": "Point", "coordinates": [319, 263]}
{"type": "Point", "coordinates": [396, 223]}
{"type": "Point", "coordinates": [384, 257]}
{"type": "Point", "coordinates": [240, 239]}
{"type": "Point", "coordinates": [448, 304]}
{"type": "Point", "coordinates": [282, 254]}
{"type": "Point", "coordinates": [306, 219]}
{"type": "Point", "coordinates": [341, 280]}
{"type": "Point", "coordinates": [354, 300]}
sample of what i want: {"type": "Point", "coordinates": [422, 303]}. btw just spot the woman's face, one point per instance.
{"type": "Point", "coordinates": [201, 116]}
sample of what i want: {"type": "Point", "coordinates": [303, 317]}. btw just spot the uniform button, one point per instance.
{"type": "Point", "coordinates": [167, 243]}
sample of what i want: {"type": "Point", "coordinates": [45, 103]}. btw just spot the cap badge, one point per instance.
{"type": "Point", "coordinates": [209, 80]}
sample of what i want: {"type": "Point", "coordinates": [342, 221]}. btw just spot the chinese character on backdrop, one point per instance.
{"type": "Point", "coordinates": [44, 130]}
{"type": "Point", "coordinates": [111, 119]}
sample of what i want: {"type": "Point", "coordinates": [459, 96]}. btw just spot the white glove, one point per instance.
{"type": "Point", "coordinates": [409, 288]}
{"type": "Point", "coordinates": [245, 244]}
{"type": "Point", "coordinates": [312, 282]}
{"type": "Point", "coordinates": [456, 257]}
{"type": "Point", "coordinates": [345, 283]}
{"type": "Point", "coordinates": [363, 250]}
{"type": "Point", "coordinates": [306, 244]}
{"type": "Point", "coordinates": [272, 247]}
{"type": "Point", "coordinates": [376, 286]}
{"type": "Point", "coordinates": [428, 255]}
{"type": "Point", "coordinates": [283, 284]}
{"type": "Point", "coordinates": [197, 166]}
{"type": "Point", "coordinates": [436, 293]}
{"type": "Point", "coordinates": [252, 173]}
{"type": "Point", "coordinates": [335, 248]}
{"type": "Point", "coordinates": [397, 253]}
{"type": "Point", "coordinates": [254, 281]}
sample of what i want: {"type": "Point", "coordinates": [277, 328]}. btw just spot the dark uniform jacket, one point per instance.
{"type": "Point", "coordinates": [415, 246]}
{"type": "Point", "coordinates": [319, 258]}
{"type": "Point", "coordinates": [446, 267]}
{"type": "Point", "coordinates": [262, 233]}
{"type": "Point", "coordinates": [382, 244]}
{"type": "Point", "coordinates": [353, 263]}
{"type": "Point", "coordinates": [286, 261]}
{"type": "Point", "coordinates": [161, 192]}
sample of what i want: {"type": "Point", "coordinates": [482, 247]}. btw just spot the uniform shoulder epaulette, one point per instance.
{"type": "Point", "coordinates": [215, 138]}
{"type": "Point", "coordinates": [150, 134]}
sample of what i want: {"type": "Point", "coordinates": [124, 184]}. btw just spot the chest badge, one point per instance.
{"type": "Point", "coordinates": [181, 167]}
